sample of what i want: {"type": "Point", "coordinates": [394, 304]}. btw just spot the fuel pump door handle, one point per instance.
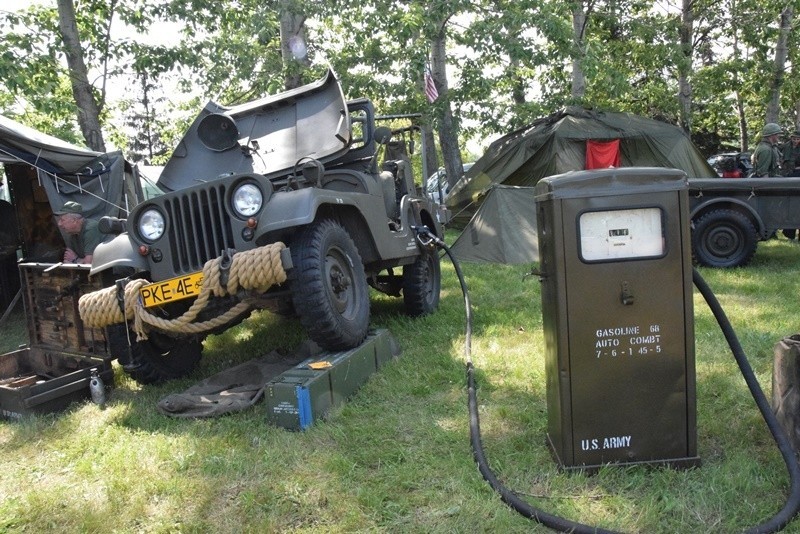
{"type": "Point", "coordinates": [626, 296]}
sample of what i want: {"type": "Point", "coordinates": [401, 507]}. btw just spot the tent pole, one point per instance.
{"type": "Point", "coordinates": [10, 307]}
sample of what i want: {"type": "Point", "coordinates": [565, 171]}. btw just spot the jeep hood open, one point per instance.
{"type": "Point", "coordinates": [265, 136]}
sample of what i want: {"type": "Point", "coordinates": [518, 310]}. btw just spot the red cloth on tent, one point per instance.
{"type": "Point", "coordinates": [602, 154]}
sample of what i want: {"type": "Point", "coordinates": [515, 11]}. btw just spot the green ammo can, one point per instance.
{"type": "Point", "coordinates": [308, 391]}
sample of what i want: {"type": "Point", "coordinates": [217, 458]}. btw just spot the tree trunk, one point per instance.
{"type": "Point", "coordinates": [88, 108]}
{"type": "Point", "coordinates": [797, 115]}
{"type": "Point", "coordinates": [744, 138]}
{"type": "Point", "coordinates": [431, 161]}
{"type": "Point", "coordinates": [294, 49]}
{"type": "Point", "coordinates": [781, 53]}
{"type": "Point", "coordinates": [685, 68]}
{"type": "Point", "coordinates": [448, 134]}
{"type": "Point", "coordinates": [579, 17]}
{"type": "Point", "coordinates": [430, 158]}
{"type": "Point", "coordinates": [517, 84]}
{"type": "Point", "coordinates": [148, 118]}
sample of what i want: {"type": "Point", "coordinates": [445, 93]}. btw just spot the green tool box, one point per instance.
{"type": "Point", "coordinates": [308, 391]}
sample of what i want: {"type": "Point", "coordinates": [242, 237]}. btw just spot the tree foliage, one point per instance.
{"type": "Point", "coordinates": [505, 63]}
{"type": "Point", "coordinates": [36, 87]}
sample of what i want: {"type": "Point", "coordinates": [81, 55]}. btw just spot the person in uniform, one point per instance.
{"type": "Point", "coordinates": [767, 156]}
{"type": "Point", "coordinates": [791, 155]}
{"type": "Point", "coordinates": [81, 235]}
{"type": "Point", "coordinates": [791, 168]}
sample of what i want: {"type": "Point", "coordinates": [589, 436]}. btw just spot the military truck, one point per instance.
{"type": "Point", "coordinates": [730, 216]}
{"type": "Point", "coordinates": [298, 170]}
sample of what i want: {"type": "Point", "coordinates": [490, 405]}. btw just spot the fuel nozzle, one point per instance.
{"type": "Point", "coordinates": [425, 237]}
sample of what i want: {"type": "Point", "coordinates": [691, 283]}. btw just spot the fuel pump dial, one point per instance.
{"type": "Point", "coordinates": [621, 234]}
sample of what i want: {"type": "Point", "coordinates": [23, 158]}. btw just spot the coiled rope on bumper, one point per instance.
{"type": "Point", "coordinates": [257, 269]}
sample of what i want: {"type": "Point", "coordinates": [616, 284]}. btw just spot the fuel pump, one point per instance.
{"type": "Point", "coordinates": [616, 276]}
{"type": "Point", "coordinates": [618, 324]}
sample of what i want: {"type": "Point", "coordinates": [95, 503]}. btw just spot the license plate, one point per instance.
{"type": "Point", "coordinates": [180, 287]}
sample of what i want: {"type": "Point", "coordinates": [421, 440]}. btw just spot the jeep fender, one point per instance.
{"type": "Point", "coordinates": [729, 203]}
{"type": "Point", "coordinates": [298, 208]}
{"type": "Point", "coordinates": [295, 209]}
{"type": "Point", "coordinates": [119, 252]}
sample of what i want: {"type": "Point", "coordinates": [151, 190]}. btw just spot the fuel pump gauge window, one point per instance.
{"type": "Point", "coordinates": [621, 234]}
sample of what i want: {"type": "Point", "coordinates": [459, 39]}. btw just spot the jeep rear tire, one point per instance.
{"type": "Point", "coordinates": [158, 359]}
{"type": "Point", "coordinates": [422, 283]}
{"type": "Point", "coordinates": [329, 287]}
{"type": "Point", "coordinates": [724, 238]}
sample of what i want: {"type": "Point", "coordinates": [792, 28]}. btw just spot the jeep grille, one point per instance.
{"type": "Point", "coordinates": [200, 227]}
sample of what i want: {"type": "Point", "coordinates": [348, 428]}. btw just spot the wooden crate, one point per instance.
{"type": "Point", "coordinates": [55, 368]}
{"type": "Point", "coordinates": [51, 293]}
{"type": "Point", "coordinates": [34, 381]}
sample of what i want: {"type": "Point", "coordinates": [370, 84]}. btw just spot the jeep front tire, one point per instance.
{"type": "Point", "coordinates": [158, 359]}
{"type": "Point", "coordinates": [329, 287]}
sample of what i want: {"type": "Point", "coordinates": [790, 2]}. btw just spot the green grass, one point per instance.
{"type": "Point", "coordinates": [396, 457]}
{"type": "Point", "coordinates": [14, 330]}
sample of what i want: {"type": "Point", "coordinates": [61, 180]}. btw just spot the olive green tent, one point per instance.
{"type": "Point", "coordinates": [558, 143]}
{"type": "Point", "coordinates": [503, 230]}
{"type": "Point", "coordinates": [42, 173]}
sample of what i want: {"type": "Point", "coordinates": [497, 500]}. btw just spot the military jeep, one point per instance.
{"type": "Point", "coordinates": [299, 168]}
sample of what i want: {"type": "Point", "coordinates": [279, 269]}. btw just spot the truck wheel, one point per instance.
{"type": "Point", "coordinates": [724, 238]}
{"type": "Point", "coordinates": [329, 287]}
{"type": "Point", "coordinates": [158, 359]}
{"type": "Point", "coordinates": [422, 283]}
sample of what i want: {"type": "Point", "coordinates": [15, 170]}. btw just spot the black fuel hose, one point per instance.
{"type": "Point", "coordinates": [789, 510]}
{"type": "Point", "coordinates": [509, 497]}
{"type": "Point", "coordinates": [774, 524]}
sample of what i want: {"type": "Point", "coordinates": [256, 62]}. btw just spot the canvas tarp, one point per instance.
{"type": "Point", "coordinates": [19, 143]}
{"type": "Point", "coordinates": [100, 182]}
{"type": "Point", "coordinates": [503, 229]}
{"type": "Point", "coordinates": [557, 144]}
{"type": "Point", "coordinates": [42, 173]}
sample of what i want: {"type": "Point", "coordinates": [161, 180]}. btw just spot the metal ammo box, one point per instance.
{"type": "Point", "coordinates": [308, 391]}
{"type": "Point", "coordinates": [56, 366]}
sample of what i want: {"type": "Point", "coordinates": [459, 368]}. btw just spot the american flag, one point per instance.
{"type": "Point", "coordinates": [430, 87]}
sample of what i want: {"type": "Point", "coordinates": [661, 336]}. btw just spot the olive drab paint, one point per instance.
{"type": "Point", "coordinates": [616, 277]}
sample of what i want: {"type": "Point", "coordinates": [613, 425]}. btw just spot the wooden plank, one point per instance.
{"type": "Point", "coordinates": [19, 381]}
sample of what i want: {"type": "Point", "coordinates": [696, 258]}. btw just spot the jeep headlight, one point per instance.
{"type": "Point", "coordinates": [247, 200]}
{"type": "Point", "coordinates": [151, 225]}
